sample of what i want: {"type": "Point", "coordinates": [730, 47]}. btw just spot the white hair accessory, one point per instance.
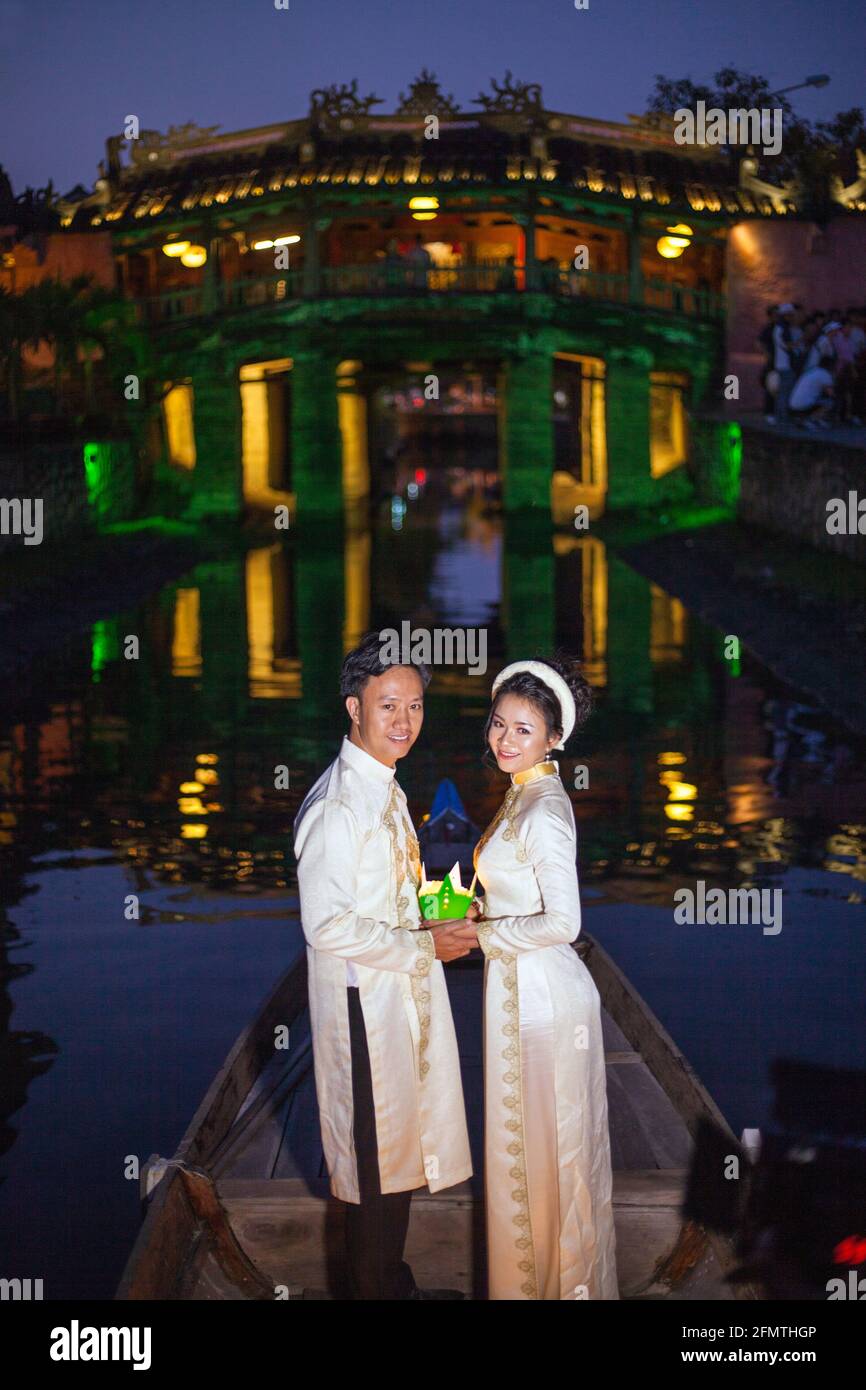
{"type": "Point", "coordinates": [554, 681]}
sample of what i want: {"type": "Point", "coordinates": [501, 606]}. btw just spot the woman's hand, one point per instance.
{"type": "Point", "coordinates": [465, 928]}
{"type": "Point", "coordinates": [474, 912]}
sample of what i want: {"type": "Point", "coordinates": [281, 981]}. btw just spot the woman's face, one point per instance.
{"type": "Point", "coordinates": [518, 736]}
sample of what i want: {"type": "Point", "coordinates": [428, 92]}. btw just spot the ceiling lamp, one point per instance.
{"type": "Point", "coordinates": [175, 248]}
{"type": "Point", "coordinates": [675, 241]}
{"type": "Point", "coordinates": [278, 241]}
{"type": "Point", "coordinates": [665, 248]}
{"type": "Point", "coordinates": [194, 256]}
{"type": "Point", "coordinates": [423, 209]}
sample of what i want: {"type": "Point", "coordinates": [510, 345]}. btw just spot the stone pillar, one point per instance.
{"type": "Point", "coordinates": [352, 413]}
{"type": "Point", "coordinates": [628, 428]}
{"type": "Point", "coordinates": [629, 618]}
{"type": "Point", "coordinates": [526, 433]}
{"type": "Point", "coordinates": [320, 610]}
{"type": "Point", "coordinates": [317, 446]}
{"type": "Point", "coordinates": [224, 645]}
{"type": "Point", "coordinates": [217, 479]}
{"type": "Point", "coordinates": [528, 590]}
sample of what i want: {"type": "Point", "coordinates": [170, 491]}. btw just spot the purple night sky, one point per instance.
{"type": "Point", "coordinates": [73, 70]}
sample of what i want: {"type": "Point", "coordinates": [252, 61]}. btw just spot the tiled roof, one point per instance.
{"type": "Point", "coordinates": [597, 159]}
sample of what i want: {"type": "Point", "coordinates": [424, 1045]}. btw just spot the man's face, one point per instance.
{"type": "Point", "coordinates": [387, 718]}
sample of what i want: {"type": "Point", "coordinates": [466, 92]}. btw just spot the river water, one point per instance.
{"type": "Point", "coordinates": [151, 779]}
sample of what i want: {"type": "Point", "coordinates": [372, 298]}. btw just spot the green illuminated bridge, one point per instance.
{"type": "Point", "coordinates": [324, 297]}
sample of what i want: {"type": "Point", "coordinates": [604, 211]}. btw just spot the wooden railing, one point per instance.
{"type": "Point", "coordinates": [403, 277]}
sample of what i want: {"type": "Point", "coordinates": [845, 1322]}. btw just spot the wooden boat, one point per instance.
{"type": "Point", "coordinates": [243, 1211]}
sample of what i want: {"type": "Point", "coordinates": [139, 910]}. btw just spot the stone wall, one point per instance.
{"type": "Point", "coordinates": [83, 486]}
{"type": "Point", "coordinates": [779, 260]}
{"type": "Point", "coordinates": [786, 483]}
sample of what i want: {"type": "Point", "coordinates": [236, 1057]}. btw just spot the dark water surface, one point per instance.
{"type": "Point", "coordinates": [155, 777]}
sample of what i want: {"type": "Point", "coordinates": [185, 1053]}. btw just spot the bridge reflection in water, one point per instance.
{"type": "Point", "coordinates": [171, 782]}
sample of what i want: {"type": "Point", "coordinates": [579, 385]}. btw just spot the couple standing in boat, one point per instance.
{"type": "Point", "coordinates": [385, 1051]}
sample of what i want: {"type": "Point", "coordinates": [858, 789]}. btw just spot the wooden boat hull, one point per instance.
{"type": "Point", "coordinates": [244, 1211]}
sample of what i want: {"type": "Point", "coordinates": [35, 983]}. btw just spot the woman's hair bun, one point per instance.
{"type": "Point", "coordinates": [567, 666]}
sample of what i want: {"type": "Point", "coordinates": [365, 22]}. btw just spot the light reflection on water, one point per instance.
{"type": "Point", "coordinates": [177, 764]}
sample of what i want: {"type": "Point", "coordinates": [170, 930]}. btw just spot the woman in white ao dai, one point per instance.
{"type": "Point", "coordinates": [548, 1192]}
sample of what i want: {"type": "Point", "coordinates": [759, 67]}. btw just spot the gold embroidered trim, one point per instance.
{"type": "Point", "coordinates": [421, 995]}
{"type": "Point", "coordinates": [511, 832]}
{"type": "Point", "coordinates": [514, 1124]}
{"type": "Point", "coordinates": [513, 1098]}
{"type": "Point", "coordinates": [408, 867]}
{"type": "Point", "coordinates": [484, 931]}
{"type": "Point", "coordinates": [508, 801]}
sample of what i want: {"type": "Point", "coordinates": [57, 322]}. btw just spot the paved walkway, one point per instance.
{"type": "Point", "coordinates": [853, 435]}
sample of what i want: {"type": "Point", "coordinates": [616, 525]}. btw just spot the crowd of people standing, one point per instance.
{"type": "Point", "coordinates": [815, 369]}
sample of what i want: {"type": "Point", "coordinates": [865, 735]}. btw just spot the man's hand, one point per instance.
{"type": "Point", "coordinates": [454, 939]}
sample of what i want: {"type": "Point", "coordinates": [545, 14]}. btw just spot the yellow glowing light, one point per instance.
{"type": "Point", "coordinates": [208, 776]}
{"type": "Point", "coordinates": [191, 788]}
{"type": "Point", "coordinates": [195, 256]}
{"type": "Point", "coordinates": [175, 248]}
{"type": "Point", "coordinates": [666, 247]}
{"type": "Point", "coordinates": [681, 791]}
{"type": "Point", "coordinates": [671, 759]}
{"type": "Point", "coordinates": [193, 832]}
{"type": "Point", "coordinates": [277, 241]}
{"type": "Point", "coordinates": [424, 216]}
{"type": "Point", "coordinates": [208, 759]}
{"type": "Point", "coordinates": [679, 810]}
{"type": "Point", "coordinates": [423, 204]}
{"type": "Point", "coordinates": [680, 230]}
{"type": "Point", "coordinates": [191, 806]}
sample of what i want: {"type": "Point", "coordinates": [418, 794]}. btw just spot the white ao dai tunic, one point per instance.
{"type": "Point", "coordinates": [548, 1182]}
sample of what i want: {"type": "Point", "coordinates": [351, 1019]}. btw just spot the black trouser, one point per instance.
{"type": "Point", "coordinates": [376, 1227]}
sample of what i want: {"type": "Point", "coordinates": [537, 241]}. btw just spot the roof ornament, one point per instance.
{"type": "Point", "coordinates": [340, 103]}
{"type": "Point", "coordinates": [152, 146]}
{"type": "Point", "coordinates": [426, 98]}
{"type": "Point", "coordinates": [516, 97]}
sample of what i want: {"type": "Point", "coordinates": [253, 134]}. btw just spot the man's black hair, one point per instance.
{"type": "Point", "coordinates": [365, 661]}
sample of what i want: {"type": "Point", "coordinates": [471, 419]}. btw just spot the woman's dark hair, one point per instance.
{"type": "Point", "coordinates": [538, 693]}
{"type": "Point", "coordinates": [365, 661]}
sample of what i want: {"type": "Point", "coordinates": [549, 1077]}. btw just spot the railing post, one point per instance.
{"type": "Point", "coordinates": [210, 278]}
{"type": "Point", "coordinates": [526, 221]}
{"type": "Point", "coordinates": [635, 270]}
{"type": "Point", "coordinates": [312, 255]}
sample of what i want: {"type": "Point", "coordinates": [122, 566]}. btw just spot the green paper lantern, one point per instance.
{"type": "Point", "coordinates": [441, 901]}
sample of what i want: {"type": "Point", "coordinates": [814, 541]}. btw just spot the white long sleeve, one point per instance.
{"type": "Point", "coordinates": [549, 840]}
{"type": "Point", "coordinates": [328, 868]}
